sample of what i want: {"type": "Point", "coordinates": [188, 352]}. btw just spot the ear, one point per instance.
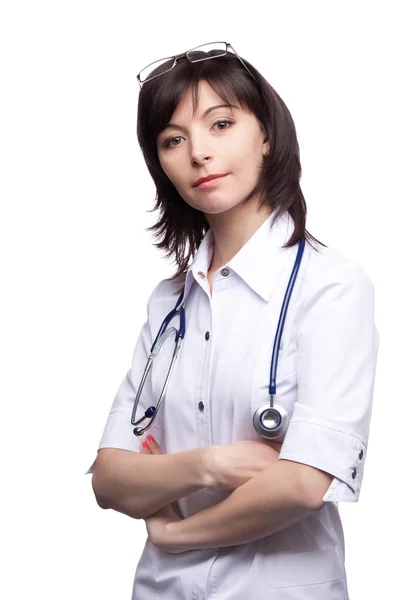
{"type": "Point", "coordinates": [265, 147]}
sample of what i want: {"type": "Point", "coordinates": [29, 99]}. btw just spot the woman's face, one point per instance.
{"type": "Point", "coordinates": [225, 140]}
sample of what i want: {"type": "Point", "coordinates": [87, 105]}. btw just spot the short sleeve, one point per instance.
{"type": "Point", "coordinates": [337, 355]}
{"type": "Point", "coordinates": [118, 431]}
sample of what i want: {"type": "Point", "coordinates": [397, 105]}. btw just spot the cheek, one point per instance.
{"type": "Point", "coordinates": [252, 161]}
{"type": "Point", "coordinates": [176, 177]}
{"type": "Point", "coordinates": [242, 153]}
{"type": "Point", "coordinates": [171, 171]}
{"type": "Point", "coordinates": [244, 163]}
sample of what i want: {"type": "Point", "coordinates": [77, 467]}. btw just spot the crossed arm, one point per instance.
{"type": "Point", "coordinates": [276, 498]}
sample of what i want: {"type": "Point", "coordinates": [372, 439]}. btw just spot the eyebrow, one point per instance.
{"type": "Point", "coordinates": [206, 112]}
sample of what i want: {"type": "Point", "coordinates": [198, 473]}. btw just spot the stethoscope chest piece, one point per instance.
{"type": "Point", "coordinates": [271, 422]}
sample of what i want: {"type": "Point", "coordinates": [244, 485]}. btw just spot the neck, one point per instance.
{"type": "Point", "coordinates": [232, 229]}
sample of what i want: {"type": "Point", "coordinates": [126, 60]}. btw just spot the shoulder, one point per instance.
{"type": "Point", "coordinates": [167, 290]}
{"type": "Point", "coordinates": [327, 267]}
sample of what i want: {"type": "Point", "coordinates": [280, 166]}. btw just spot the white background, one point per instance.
{"type": "Point", "coordinates": [77, 266]}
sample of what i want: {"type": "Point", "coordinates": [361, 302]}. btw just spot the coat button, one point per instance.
{"type": "Point", "coordinates": [361, 454]}
{"type": "Point", "coordinates": [207, 336]}
{"type": "Point", "coordinates": [201, 406]}
{"type": "Point", "coordinates": [201, 274]}
{"type": "Point", "coordinates": [354, 473]}
{"type": "Point", "coordinates": [225, 272]}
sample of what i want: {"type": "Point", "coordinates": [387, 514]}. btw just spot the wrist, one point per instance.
{"type": "Point", "coordinates": [208, 466]}
{"type": "Point", "coordinates": [173, 539]}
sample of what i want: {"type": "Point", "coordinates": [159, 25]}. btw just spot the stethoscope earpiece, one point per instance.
{"type": "Point", "coordinates": [149, 414]}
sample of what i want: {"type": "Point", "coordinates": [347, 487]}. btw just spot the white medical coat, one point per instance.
{"type": "Point", "coordinates": [325, 381]}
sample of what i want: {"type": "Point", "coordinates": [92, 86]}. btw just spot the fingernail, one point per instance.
{"type": "Point", "coordinates": [150, 438]}
{"type": "Point", "coordinates": [145, 445]}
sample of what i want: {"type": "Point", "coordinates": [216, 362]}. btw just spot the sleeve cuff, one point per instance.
{"type": "Point", "coordinates": [337, 452]}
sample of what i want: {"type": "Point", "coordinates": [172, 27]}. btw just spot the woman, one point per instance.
{"type": "Point", "coordinates": [231, 511]}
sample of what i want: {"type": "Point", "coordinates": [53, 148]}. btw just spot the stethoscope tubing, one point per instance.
{"type": "Point", "coordinates": [163, 333]}
{"type": "Point", "coordinates": [161, 337]}
{"type": "Point", "coordinates": [282, 317]}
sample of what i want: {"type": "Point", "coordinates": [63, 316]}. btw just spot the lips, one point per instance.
{"type": "Point", "coordinates": [209, 178]}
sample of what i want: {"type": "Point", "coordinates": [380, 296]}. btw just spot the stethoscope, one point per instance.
{"type": "Point", "coordinates": [269, 420]}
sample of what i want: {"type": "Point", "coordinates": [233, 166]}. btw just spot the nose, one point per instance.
{"type": "Point", "coordinates": [200, 159]}
{"type": "Point", "coordinates": [200, 153]}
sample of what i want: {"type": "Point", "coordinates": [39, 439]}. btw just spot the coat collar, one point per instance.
{"type": "Point", "coordinates": [260, 262]}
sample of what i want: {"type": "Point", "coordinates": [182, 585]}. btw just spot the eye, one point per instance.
{"type": "Point", "coordinates": [167, 142]}
{"type": "Point", "coordinates": [225, 121]}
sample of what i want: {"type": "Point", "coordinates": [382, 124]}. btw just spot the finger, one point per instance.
{"type": "Point", "coordinates": [153, 445]}
{"type": "Point", "coordinates": [144, 448]}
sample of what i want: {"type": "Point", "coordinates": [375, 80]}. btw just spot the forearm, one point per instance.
{"type": "Point", "coordinates": [138, 485]}
{"type": "Point", "coordinates": [272, 500]}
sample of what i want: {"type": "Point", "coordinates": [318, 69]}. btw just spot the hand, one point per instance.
{"type": "Point", "coordinates": [156, 523]}
{"type": "Point", "coordinates": [234, 464]}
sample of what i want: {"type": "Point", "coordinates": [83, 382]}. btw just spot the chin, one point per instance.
{"type": "Point", "coordinates": [215, 210]}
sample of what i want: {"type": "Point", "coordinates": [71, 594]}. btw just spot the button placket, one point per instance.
{"type": "Point", "coordinates": [201, 403]}
{"type": "Point", "coordinates": [201, 389]}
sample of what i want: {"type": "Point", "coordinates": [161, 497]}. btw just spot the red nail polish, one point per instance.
{"type": "Point", "coordinates": [145, 445]}
{"type": "Point", "coordinates": [150, 437]}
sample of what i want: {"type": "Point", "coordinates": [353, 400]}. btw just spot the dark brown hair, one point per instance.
{"type": "Point", "coordinates": [181, 228]}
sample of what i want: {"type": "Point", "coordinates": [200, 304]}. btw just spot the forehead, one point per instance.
{"type": "Point", "coordinates": [193, 104]}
